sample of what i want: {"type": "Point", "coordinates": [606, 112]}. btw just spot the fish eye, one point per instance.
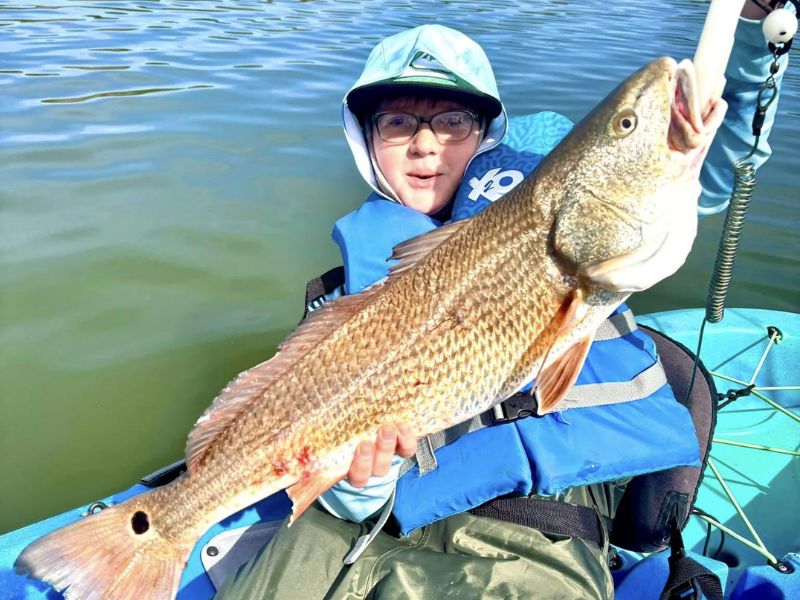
{"type": "Point", "coordinates": [624, 123]}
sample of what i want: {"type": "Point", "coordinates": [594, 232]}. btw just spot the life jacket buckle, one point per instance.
{"type": "Point", "coordinates": [518, 406]}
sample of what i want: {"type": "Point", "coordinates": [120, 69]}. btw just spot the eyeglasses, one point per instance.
{"type": "Point", "coordinates": [447, 126]}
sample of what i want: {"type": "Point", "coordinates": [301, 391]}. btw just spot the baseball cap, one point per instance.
{"type": "Point", "coordinates": [424, 75]}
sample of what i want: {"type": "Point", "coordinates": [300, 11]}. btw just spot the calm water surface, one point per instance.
{"type": "Point", "coordinates": [169, 175]}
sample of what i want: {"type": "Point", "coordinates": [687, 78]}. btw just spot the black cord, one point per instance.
{"type": "Point", "coordinates": [715, 556]}
{"type": "Point", "coordinates": [774, 4]}
{"type": "Point", "coordinates": [708, 539]}
{"type": "Point", "coordinates": [698, 511]}
{"type": "Point", "coordinates": [765, 7]}
{"type": "Point", "coordinates": [696, 357]}
{"type": "Point", "coordinates": [701, 512]}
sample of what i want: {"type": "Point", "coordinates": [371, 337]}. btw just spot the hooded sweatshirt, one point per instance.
{"type": "Point", "coordinates": [433, 56]}
{"type": "Point", "coordinates": [437, 57]}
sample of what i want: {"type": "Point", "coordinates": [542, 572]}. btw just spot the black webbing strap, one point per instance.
{"type": "Point", "coordinates": [547, 516]}
{"type": "Point", "coordinates": [682, 573]}
{"type": "Point", "coordinates": [317, 288]}
{"type": "Point", "coordinates": [686, 574]}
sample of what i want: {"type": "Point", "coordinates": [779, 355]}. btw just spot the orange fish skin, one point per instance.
{"type": "Point", "coordinates": [469, 314]}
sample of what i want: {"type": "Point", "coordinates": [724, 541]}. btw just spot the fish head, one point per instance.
{"type": "Point", "coordinates": [628, 214]}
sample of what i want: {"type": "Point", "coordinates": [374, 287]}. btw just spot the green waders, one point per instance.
{"type": "Point", "coordinates": [463, 556]}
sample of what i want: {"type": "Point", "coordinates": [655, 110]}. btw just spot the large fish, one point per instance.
{"type": "Point", "coordinates": [469, 314]}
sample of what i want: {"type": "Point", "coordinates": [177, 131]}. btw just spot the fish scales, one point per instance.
{"type": "Point", "coordinates": [472, 312]}
{"type": "Point", "coordinates": [493, 344]}
{"type": "Point", "coordinates": [490, 277]}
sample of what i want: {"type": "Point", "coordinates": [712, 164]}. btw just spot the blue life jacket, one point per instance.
{"type": "Point", "coordinates": [649, 431]}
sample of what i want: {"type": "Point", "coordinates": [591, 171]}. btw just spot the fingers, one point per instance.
{"type": "Point", "coordinates": [361, 467]}
{"type": "Point", "coordinates": [385, 444]}
{"type": "Point", "coordinates": [393, 440]}
{"type": "Point", "coordinates": [406, 442]}
{"type": "Point", "coordinates": [376, 458]}
{"type": "Point", "coordinates": [373, 458]}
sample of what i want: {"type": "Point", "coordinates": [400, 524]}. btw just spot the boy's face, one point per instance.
{"type": "Point", "coordinates": [422, 171]}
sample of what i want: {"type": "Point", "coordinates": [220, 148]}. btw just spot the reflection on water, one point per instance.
{"type": "Point", "coordinates": [170, 173]}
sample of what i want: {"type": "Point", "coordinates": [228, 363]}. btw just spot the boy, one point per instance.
{"type": "Point", "coordinates": [424, 108]}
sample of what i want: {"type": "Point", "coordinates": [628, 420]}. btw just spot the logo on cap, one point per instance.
{"type": "Point", "coordinates": [425, 65]}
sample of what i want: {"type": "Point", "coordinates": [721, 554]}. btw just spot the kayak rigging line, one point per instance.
{"type": "Point", "coordinates": [770, 558]}
{"type": "Point", "coordinates": [757, 545]}
{"type": "Point", "coordinates": [775, 337]}
{"type": "Point", "coordinates": [738, 508]}
{"type": "Point", "coordinates": [759, 395]}
{"type": "Point", "coordinates": [755, 446]}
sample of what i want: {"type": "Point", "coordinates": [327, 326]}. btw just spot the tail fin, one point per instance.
{"type": "Point", "coordinates": [112, 554]}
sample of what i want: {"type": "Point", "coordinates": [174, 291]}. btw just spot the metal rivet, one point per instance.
{"type": "Point", "coordinates": [96, 507]}
{"type": "Point", "coordinates": [774, 332]}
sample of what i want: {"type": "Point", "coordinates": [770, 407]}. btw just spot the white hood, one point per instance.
{"type": "Point", "coordinates": [436, 54]}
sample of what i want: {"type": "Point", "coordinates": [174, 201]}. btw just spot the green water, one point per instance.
{"type": "Point", "coordinates": [169, 174]}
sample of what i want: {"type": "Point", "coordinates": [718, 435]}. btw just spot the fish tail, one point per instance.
{"type": "Point", "coordinates": [116, 553]}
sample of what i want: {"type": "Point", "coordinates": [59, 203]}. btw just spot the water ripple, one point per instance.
{"type": "Point", "coordinates": [154, 242]}
{"type": "Point", "coordinates": [98, 68]}
{"type": "Point", "coordinates": [123, 94]}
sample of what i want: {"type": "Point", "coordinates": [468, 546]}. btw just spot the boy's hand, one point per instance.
{"type": "Point", "coordinates": [375, 458]}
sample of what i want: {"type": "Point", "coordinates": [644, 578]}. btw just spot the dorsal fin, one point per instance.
{"type": "Point", "coordinates": [410, 252]}
{"type": "Point", "coordinates": [250, 385]}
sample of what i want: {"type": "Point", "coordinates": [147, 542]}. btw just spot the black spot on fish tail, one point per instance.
{"type": "Point", "coordinates": [140, 522]}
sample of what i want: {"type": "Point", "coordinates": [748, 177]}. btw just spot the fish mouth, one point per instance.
{"type": "Point", "coordinates": [690, 127]}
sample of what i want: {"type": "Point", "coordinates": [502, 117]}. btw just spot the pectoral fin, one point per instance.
{"type": "Point", "coordinates": [529, 366]}
{"type": "Point", "coordinates": [555, 380]}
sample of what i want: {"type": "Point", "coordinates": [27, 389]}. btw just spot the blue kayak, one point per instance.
{"type": "Point", "coordinates": [753, 356]}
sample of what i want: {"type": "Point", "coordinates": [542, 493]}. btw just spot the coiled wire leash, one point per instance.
{"type": "Point", "coordinates": [779, 35]}
{"type": "Point", "coordinates": [744, 181]}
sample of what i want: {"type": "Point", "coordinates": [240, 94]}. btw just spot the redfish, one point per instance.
{"type": "Point", "coordinates": [469, 314]}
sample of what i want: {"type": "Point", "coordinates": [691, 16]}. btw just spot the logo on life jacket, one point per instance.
{"type": "Point", "coordinates": [494, 184]}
